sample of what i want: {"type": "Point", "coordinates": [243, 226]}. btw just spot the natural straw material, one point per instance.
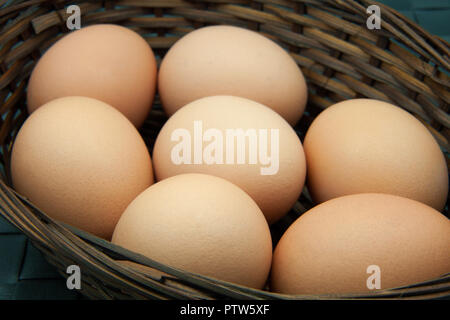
{"type": "Point", "coordinates": [340, 57]}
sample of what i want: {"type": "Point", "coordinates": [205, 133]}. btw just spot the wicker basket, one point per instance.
{"type": "Point", "coordinates": [341, 59]}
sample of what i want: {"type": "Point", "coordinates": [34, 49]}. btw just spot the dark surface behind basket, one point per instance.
{"type": "Point", "coordinates": [336, 61]}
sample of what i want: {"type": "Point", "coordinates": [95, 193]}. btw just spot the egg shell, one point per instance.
{"type": "Point", "coordinates": [228, 60]}
{"type": "Point", "coordinates": [201, 224]}
{"type": "Point", "coordinates": [82, 162]}
{"type": "Point", "coordinates": [276, 191]}
{"type": "Point", "coordinates": [366, 145]}
{"type": "Point", "coordinates": [334, 247]}
{"type": "Point", "coordinates": [107, 62]}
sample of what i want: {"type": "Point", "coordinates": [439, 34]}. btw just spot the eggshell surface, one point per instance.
{"type": "Point", "coordinates": [337, 246]}
{"type": "Point", "coordinates": [107, 62]}
{"type": "Point", "coordinates": [201, 224]}
{"type": "Point", "coordinates": [364, 145]}
{"type": "Point", "coordinates": [227, 60]}
{"type": "Point", "coordinates": [80, 161]}
{"type": "Point", "coordinates": [274, 177]}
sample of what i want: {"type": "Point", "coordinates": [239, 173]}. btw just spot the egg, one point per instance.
{"type": "Point", "coordinates": [239, 140]}
{"type": "Point", "coordinates": [107, 62]}
{"type": "Point", "coordinates": [80, 161]}
{"type": "Point", "coordinates": [365, 145]}
{"type": "Point", "coordinates": [228, 60]}
{"type": "Point", "coordinates": [361, 243]}
{"type": "Point", "coordinates": [201, 224]}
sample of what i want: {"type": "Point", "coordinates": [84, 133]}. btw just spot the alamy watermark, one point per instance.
{"type": "Point", "coordinates": [229, 147]}
{"type": "Point", "coordinates": [74, 280]}
{"type": "Point", "coordinates": [374, 280]}
{"type": "Point", "coordinates": [73, 21]}
{"type": "Point", "coordinates": [374, 20]}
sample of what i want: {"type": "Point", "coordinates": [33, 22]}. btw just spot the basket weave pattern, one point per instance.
{"type": "Point", "coordinates": [341, 59]}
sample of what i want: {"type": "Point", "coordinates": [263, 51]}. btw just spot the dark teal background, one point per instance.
{"type": "Point", "coordinates": [24, 274]}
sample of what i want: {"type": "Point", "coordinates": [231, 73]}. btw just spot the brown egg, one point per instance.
{"type": "Point", "coordinates": [363, 145]}
{"type": "Point", "coordinates": [227, 60]}
{"type": "Point", "coordinates": [107, 62]}
{"type": "Point", "coordinates": [239, 140]}
{"type": "Point", "coordinates": [353, 243]}
{"type": "Point", "coordinates": [82, 162]}
{"type": "Point", "coordinates": [201, 224]}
